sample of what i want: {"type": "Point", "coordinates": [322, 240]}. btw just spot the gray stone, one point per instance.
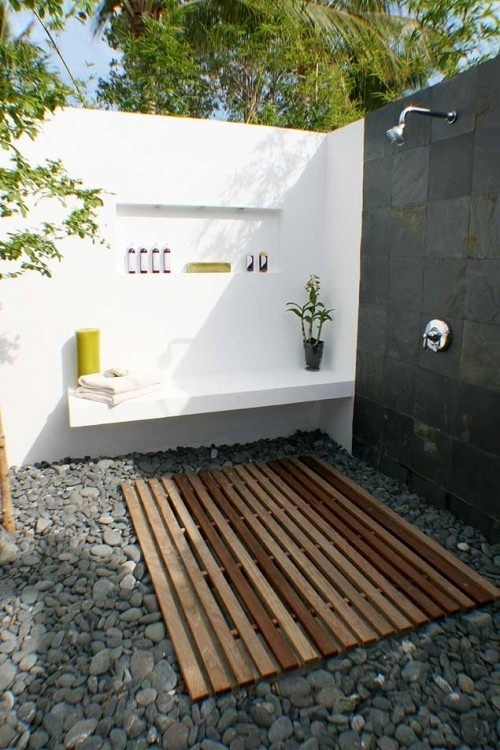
{"type": "Point", "coordinates": [280, 730]}
{"type": "Point", "coordinates": [350, 741]}
{"type": "Point", "coordinates": [176, 737]}
{"type": "Point", "coordinates": [291, 685]}
{"type": "Point", "coordinates": [101, 550]}
{"type": "Point", "coordinates": [141, 664]}
{"type": "Point", "coordinates": [81, 730]}
{"type": "Point", "coordinates": [263, 713]}
{"type": "Point", "coordinates": [100, 662]}
{"type": "Point", "coordinates": [8, 673]}
{"type": "Point", "coordinates": [29, 595]}
{"type": "Point", "coordinates": [146, 697]}
{"type": "Point", "coordinates": [118, 738]}
{"type": "Point", "coordinates": [457, 702]}
{"type": "Point", "coordinates": [465, 684]}
{"type": "Point", "coordinates": [405, 735]}
{"type": "Point", "coordinates": [387, 743]}
{"type": "Point", "coordinates": [227, 719]}
{"type": "Point", "coordinates": [131, 615]}
{"type": "Point", "coordinates": [163, 676]}
{"type": "Point", "coordinates": [415, 671]}
{"type": "Point", "coordinates": [478, 619]}
{"type": "Point", "coordinates": [155, 632]}
{"type": "Point", "coordinates": [112, 537]}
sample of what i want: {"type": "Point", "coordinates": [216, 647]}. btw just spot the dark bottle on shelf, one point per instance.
{"type": "Point", "coordinates": [131, 260]}
{"type": "Point", "coordinates": [143, 260]}
{"type": "Point", "coordinates": [250, 263]}
{"type": "Point", "coordinates": [167, 260]}
{"type": "Point", "coordinates": [263, 262]}
{"type": "Point", "coordinates": [155, 260]}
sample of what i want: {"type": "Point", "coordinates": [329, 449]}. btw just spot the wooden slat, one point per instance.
{"type": "Point", "coordinates": [294, 540]}
{"type": "Point", "coordinates": [291, 564]}
{"type": "Point", "coordinates": [339, 561]}
{"type": "Point", "coordinates": [445, 592]}
{"type": "Point", "coordinates": [279, 583]}
{"type": "Point", "coordinates": [194, 614]}
{"type": "Point", "coordinates": [372, 551]}
{"type": "Point", "coordinates": [254, 648]}
{"type": "Point", "coordinates": [269, 566]}
{"type": "Point", "coordinates": [197, 683]}
{"type": "Point", "coordinates": [477, 587]}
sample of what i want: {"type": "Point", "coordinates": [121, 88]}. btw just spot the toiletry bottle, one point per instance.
{"type": "Point", "coordinates": [131, 260]}
{"type": "Point", "coordinates": [155, 260]}
{"type": "Point", "coordinates": [263, 262]}
{"type": "Point", "coordinates": [143, 260]}
{"type": "Point", "coordinates": [250, 263]}
{"type": "Point", "coordinates": [167, 260]}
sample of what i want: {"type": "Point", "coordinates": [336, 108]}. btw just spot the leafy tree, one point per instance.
{"type": "Point", "coordinates": [314, 64]}
{"type": "Point", "coordinates": [157, 71]}
{"type": "Point", "coordinates": [29, 91]}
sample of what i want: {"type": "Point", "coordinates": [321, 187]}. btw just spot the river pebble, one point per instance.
{"type": "Point", "coordinates": [86, 661]}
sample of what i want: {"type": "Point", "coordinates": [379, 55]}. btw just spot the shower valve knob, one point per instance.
{"type": "Point", "coordinates": [436, 336]}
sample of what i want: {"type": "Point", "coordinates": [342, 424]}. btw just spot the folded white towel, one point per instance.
{"type": "Point", "coordinates": [113, 399]}
{"type": "Point", "coordinates": [121, 384]}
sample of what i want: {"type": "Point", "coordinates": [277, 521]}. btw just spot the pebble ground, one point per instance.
{"type": "Point", "coordinates": [86, 663]}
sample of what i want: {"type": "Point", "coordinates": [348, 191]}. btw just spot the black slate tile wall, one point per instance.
{"type": "Point", "coordinates": [431, 249]}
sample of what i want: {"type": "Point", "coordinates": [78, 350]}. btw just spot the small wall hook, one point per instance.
{"type": "Point", "coordinates": [437, 336]}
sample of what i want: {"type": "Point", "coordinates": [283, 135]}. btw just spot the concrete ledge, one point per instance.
{"type": "Point", "coordinates": [216, 393]}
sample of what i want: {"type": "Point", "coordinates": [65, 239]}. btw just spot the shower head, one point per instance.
{"type": "Point", "coordinates": [396, 133]}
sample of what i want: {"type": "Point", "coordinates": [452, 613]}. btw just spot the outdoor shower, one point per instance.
{"type": "Point", "coordinates": [396, 134]}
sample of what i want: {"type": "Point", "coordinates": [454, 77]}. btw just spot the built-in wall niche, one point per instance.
{"type": "Point", "coordinates": [198, 234]}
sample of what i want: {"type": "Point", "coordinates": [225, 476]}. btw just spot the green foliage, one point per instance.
{"type": "Point", "coordinates": [157, 72]}
{"type": "Point", "coordinates": [293, 63]}
{"type": "Point", "coordinates": [313, 314]}
{"type": "Point", "coordinates": [28, 93]}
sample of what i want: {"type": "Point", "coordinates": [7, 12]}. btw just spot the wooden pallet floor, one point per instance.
{"type": "Point", "coordinates": [265, 567]}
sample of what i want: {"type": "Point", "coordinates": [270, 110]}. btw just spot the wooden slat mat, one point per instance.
{"type": "Point", "coordinates": [265, 567]}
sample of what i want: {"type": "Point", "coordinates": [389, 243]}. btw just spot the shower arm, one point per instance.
{"type": "Point", "coordinates": [449, 116]}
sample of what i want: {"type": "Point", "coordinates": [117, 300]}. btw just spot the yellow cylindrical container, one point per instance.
{"type": "Point", "coordinates": [88, 351]}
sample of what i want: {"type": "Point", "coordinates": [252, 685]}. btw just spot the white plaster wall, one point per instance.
{"type": "Point", "coordinates": [180, 322]}
{"type": "Point", "coordinates": [343, 223]}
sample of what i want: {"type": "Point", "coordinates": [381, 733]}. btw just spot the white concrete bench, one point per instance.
{"type": "Point", "coordinates": [215, 393]}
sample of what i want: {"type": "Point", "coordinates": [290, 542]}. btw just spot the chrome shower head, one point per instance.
{"type": "Point", "coordinates": [396, 133]}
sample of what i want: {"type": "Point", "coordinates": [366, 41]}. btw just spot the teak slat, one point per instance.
{"type": "Point", "coordinates": [476, 586]}
{"type": "Point", "coordinates": [445, 591]}
{"type": "Point", "coordinates": [269, 566]}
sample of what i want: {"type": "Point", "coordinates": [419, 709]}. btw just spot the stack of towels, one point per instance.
{"type": "Point", "coordinates": [117, 385]}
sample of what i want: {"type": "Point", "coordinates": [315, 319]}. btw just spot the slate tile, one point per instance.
{"type": "Point", "coordinates": [403, 335]}
{"type": "Point", "coordinates": [450, 170]}
{"type": "Point", "coordinates": [407, 230]}
{"type": "Point", "coordinates": [447, 227]}
{"type": "Point", "coordinates": [474, 516]}
{"type": "Point", "coordinates": [392, 468]}
{"type": "Point", "coordinates": [376, 232]}
{"type": "Point", "coordinates": [484, 235]}
{"type": "Point", "coordinates": [432, 451]}
{"type": "Point", "coordinates": [398, 385]}
{"type": "Point", "coordinates": [377, 183]}
{"type": "Point", "coordinates": [410, 176]}
{"type": "Point", "coordinates": [369, 371]}
{"type": "Point", "coordinates": [436, 400]}
{"type": "Point", "coordinates": [372, 329]}
{"type": "Point", "coordinates": [374, 280]}
{"type": "Point", "coordinates": [367, 420]}
{"type": "Point", "coordinates": [396, 436]}
{"type": "Point", "coordinates": [457, 94]}
{"type": "Point", "coordinates": [488, 100]}
{"type": "Point", "coordinates": [486, 175]}
{"type": "Point", "coordinates": [405, 283]}
{"type": "Point", "coordinates": [482, 291]}
{"type": "Point", "coordinates": [477, 418]}
{"type": "Point", "coordinates": [480, 360]}
{"type": "Point", "coordinates": [429, 491]}
{"type": "Point", "coordinates": [444, 286]}
{"type": "Point", "coordinates": [474, 477]}
{"type": "Point", "coordinates": [376, 145]}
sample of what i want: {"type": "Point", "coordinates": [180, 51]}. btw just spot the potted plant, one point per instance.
{"type": "Point", "coordinates": [313, 314]}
